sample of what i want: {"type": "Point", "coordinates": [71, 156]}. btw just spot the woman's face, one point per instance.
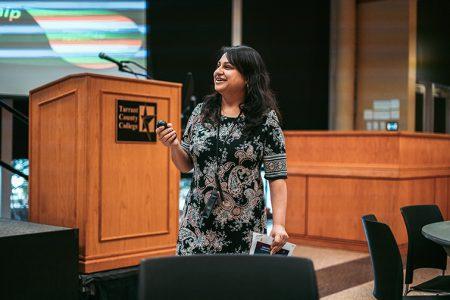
{"type": "Point", "coordinates": [227, 79]}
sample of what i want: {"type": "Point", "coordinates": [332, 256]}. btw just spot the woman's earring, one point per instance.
{"type": "Point", "coordinates": [246, 84]}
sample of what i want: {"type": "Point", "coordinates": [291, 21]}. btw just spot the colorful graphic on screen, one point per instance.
{"type": "Point", "coordinates": [53, 33]}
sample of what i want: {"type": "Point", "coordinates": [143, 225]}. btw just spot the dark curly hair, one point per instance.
{"type": "Point", "coordinates": [259, 98]}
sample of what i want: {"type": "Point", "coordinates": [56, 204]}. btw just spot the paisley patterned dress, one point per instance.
{"type": "Point", "coordinates": [233, 219]}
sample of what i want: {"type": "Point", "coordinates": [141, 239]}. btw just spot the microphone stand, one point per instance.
{"type": "Point", "coordinates": [127, 69]}
{"type": "Point", "coordinates": [124, 68]}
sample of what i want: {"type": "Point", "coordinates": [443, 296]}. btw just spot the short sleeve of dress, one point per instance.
{"type": "Point", "coordinates": [274, 157]}
{"type": "Point", "coordinates": [187, 135]}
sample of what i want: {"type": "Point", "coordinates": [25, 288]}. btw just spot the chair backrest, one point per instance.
{"type": "Point", "coordinates": [386, 260]}
{"type": "Point", "coordinates": [422, 253]}
{"type": "Point", "coordinates": [227, 277]}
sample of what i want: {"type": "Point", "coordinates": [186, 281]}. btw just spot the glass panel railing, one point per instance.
{"type": "Point", "coordinates": [19, 191]}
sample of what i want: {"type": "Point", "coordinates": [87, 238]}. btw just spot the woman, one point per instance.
{"type": "Point", "coordinates": [242, 112]}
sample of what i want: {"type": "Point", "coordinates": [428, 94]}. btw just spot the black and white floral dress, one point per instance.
{"type": "Point", "coordinates": [232, 221]}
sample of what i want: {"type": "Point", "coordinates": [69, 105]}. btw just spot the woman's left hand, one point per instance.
{"type": "Point", "coordinates": [280, 238]}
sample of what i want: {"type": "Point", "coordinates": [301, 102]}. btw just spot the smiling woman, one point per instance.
{"type": "Point", "coordinates": [227, 77]}
{"type": "Point", "coordinates": [227, 139]}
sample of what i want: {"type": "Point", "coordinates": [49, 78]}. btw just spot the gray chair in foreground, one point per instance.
{"type": "Point", "coordinates": [227, 277]}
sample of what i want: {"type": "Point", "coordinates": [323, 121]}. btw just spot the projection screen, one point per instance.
{"type": "Point", "coordinates": [41, 41]}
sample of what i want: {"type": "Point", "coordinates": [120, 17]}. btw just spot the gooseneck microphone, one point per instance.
{"type": "Point", "coordinates": [123, 65]}
{"type": "Point", "coordinates": [102, 55]}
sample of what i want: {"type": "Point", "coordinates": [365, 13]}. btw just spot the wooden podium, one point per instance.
{"type": "Point", "coordinates": [92, 166]}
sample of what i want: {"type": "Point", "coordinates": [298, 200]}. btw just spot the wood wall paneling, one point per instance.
{"type": "Point", "coordinates": [296, 205]}
{"type": "Point", "coordinates": [442, 195]}
{"type": "Point", "coordinates": [315, 147]}
{"type": "Point", "coordinates": [448, 198]}
{"type": "Point", "coordinates": [419, 151]}
{"type": "Point", "coordinates": [336, 205]}
{"type": "Point", "coordinates": [351, 174]}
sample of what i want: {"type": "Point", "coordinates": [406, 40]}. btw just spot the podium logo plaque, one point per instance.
{"type": "Point", "coordinates": [135, 121]}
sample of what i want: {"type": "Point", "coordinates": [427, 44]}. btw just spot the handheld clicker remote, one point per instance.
{"type": "Point", "coordinates": [161, 123]}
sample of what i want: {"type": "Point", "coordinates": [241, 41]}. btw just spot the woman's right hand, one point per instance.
{"type": "Point", "coordinates": [167, 136]}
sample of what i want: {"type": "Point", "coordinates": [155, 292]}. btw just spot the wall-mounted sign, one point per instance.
{"type": "Point", "coordinates": [383, 114]}
{"type": "Point", "coordinates": [135, 121]}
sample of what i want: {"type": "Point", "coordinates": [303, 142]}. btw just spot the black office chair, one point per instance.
{"type": "Point", "coordinates": [386, 262]}
{"type": "Point", "coordinates": [423, 253]}
{"type": "Point", "coordinates": [227, 277]}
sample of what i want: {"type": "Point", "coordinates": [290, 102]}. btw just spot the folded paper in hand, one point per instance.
{"type": "Point", "coordinates": [261, 245]}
